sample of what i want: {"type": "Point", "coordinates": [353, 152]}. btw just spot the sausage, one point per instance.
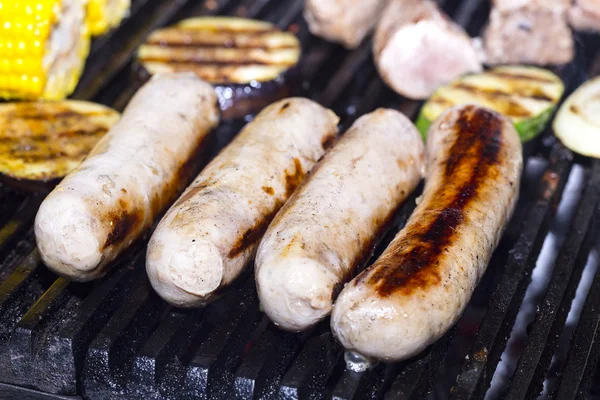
{"type": "Point", "coordinates": [424, 279]}
{"type": "Point", "coordinates": [211, 233]}
{"type": "Point", "coordinates": [343, 21]}
{"type": "Point", "coordinates": [129, 177]}
{"type": "Point", "coordinates": [330, 226]}
{"type": "Point", "coordinates": [418, 48]}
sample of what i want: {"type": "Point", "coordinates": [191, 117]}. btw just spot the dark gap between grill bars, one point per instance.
{"type": "Point", "coordinates": [115, 338]}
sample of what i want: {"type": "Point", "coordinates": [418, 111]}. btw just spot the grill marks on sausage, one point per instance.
{"type": "Point", "coordinates": [124, 219]}
{"type": "Point", "coordinates": [284, 106]}
{"type": "Point", "coordinates": [268, 190]}
{"type": "Point", "coordinates": [186, 172]}
{"type": "Point", "coordinates": [414, 262]}
{"type": "Point", "coordinates": [294, 178]}
{"type": "Point", "coordinates": [251, 236]}
{"type": "Point", "coordinates": [367, 250]}
{"type": "Point", "coordinates": [328, 141]}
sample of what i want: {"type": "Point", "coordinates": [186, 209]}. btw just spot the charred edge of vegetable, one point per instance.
{"type": "Point", "coordinates": [423, 123]}
{"type": "Point", "coordinates": [237, 100]}
{"type": "Point", "coordinates": [532, 128]}
{"type": "Point", "coordinates": [528, 129]}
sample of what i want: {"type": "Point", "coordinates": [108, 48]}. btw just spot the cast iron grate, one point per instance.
{"type": "Point", "coordinates": [115, 339]}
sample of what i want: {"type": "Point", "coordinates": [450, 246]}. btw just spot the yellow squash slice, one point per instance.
{"type": "Point", "coordinates": [43, 141]}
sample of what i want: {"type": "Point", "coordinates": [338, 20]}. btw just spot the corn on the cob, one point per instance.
{"type": "Point", "coordinates": [105, 14]}
{"type": "Point", "coordinates": [43, 47]}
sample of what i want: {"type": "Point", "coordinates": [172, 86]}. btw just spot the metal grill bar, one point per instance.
{"type": "Point", "coordinates": [494, 331]}
{"type": "Point", "coordinates": [590, 240]}
{"type": "Point", "coordinates": [308, 375]}
{"type": "Point", "coordinates": [115, 338]}
{"type": "Point", "coordinates": [576, 379]}
{"type": "Point", "coordinates": [416, 380]}
{"type": "Point", "coordinates": [261, 371]}
{"type": "Point", "coordinates": [547, 314]}
{"type": "Point", "coordinates": [22, 218]}
{"type": "Point", "coordinates": [134, 13]}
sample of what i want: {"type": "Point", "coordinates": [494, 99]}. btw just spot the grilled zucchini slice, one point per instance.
{"type": "Point", "coordinates": [250, 63]}
{"type": "Point", "coordinates": [43, 141]}
{"type": "Point", "coordinates": [527, 95]}
{"type": "Point", "coordinates": [577, 123]}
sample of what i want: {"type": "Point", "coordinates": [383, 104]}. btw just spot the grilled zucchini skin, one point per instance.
{"type": "Point", "coordinates": [528, 129]}
{"type": "Point", "coordinates": [250, 63]}
{"type": "Point", "coordinates": [526, 95]}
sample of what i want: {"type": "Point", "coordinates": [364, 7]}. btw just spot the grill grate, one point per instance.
{"type": "Point", "coordinates": [115, 338]}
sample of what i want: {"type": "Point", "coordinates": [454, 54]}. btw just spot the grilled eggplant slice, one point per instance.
{"type": "Point", "coordinates": [40, 142]}
{"type": "Point", "coordinates": [527, 95]}
{"type": "Point", "coordinates": [577, 123]}
{"type": "Point", "coordinates": [251, 63]}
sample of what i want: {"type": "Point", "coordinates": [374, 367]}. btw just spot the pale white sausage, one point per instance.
{"type": "Point", "coordinates": [211, 233]}
{"type": "Point", "coordinates": [330, 226]}
{"type": "Point", "coordinates": [129, 178]}
{"type": "Point", "coordinates": [423, 281]}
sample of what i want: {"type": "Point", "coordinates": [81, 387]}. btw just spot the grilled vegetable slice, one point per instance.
{"type": "Point", "coordinates": [43, 141]}
{"type": "Point", "coordinates": [527, 95]}
{"type": "Point", "coordinates": [43, 47]}
{"type": "Point", "coordinates": [250, 63]}
{"type": "Point", "coordinates": [577, 123]}
{"type": "Point", "coordinates": [103, 15]}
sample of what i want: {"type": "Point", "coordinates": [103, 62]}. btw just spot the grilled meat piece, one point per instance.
{"type": "Point", "coordinates": [343, 21]}
{"type": "Point", "coordinates": [417, 48]}
{"type": "Point", "coordinates": [531, 34]}
{"type": "Point", "coordinates": [584, 15]}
